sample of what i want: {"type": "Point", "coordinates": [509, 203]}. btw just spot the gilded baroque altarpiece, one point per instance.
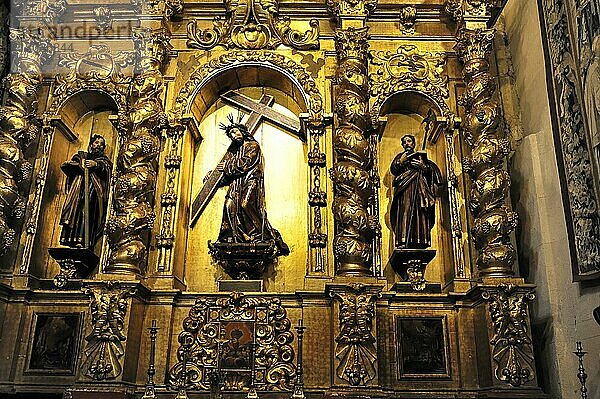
{"type": "Point", "coordinates": [170, 301]}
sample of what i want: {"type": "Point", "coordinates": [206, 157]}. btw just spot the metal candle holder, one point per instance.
{"type": "Point", "coordinates": [299, 385]}
{"type": "Point", "coordinates": [150, 392]}
{"type": "Point", "coordinates": [580, 353]}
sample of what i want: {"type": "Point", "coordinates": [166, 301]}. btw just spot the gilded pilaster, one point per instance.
{"type": "Point", "coordinates": [133, 205]}
{"type": "Point", "coordinates": [19, 129]}
{"type": "Point", "coordinates": [493, 219]}
{"type": "Point", "coordinates": [353, 186]}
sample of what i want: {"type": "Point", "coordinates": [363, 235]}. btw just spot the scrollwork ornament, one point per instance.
{"type": "Point", "coordinates": [104, 348]}
{"type": "Point", "coordinates": [204, 334]}
{"type": "Point", "coordinates": [355, 350]}
{"type": "Point", "coordinates": [252, 25]}
{"type": "Point", "coordinates": [512, 350]}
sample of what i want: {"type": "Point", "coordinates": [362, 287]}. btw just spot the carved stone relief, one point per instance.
{"type": "Point", "coordinates": [252, 25]}
{"type": "Point", "coordinates": [574, 146]}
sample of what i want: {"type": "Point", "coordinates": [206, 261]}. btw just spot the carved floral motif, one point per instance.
{"type": "Point", "coordinates": [408, 69]}
{"type": "Point", "coordinates": [512, 350]}
{"type": "Point", "coordinates": [208, 332]}
{"type": "Point", "coordinates": [494, 221]}
{"type": "Point", "coordinates": [135, 181]}
{"type": "Point", "coordinates": [252, 25]}
{"type": "Point", "coordinates": [104, 347]}
{"type": "Point", "coordinates": [355, 349]}
{"type": "Point", "coordinates": [19, 129]}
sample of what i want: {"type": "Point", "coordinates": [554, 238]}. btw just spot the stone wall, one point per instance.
{"type": "Point", "coordinates": [562, 313]}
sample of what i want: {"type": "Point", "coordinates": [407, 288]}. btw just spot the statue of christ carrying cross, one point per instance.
{"type": "Point", "coordinates": [244, 214]}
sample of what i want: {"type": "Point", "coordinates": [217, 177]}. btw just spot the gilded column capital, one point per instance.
{"type": "Point", "coordinates": [31, 50]}
{"type": "Point", "coordinates": [152, 46]}
{"type": "Point", "coordinates": [351, 8]}
{"type": "Point", "coordinates": [352, 43]}
{"type": "Point", "coordinates": [483, 10]}
{"type": "Point", "coordinates": [474, 44]}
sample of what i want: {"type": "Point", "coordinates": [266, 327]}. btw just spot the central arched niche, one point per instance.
{"type": "Point", "coordinates": [286, 179]}
{"type": "Point", "coordinates": [405, 113]}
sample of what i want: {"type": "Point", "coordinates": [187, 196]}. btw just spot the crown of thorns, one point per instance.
{"type": "Point", "coordinates": [233, 124]}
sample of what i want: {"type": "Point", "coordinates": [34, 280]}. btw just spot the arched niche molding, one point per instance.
{"type": "Point", "coordinates": [68, 126]}
{"type": "Point", "coordinates": [405, 112]}
{"type": "Point", "coordinates": [199, 98]}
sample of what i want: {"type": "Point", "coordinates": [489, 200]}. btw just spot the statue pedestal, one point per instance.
{"type": "Point", "coordinates": [410, 264]}
{"type": "Point", "coordinates": [74, 263]}
{"type": "Point", "coordinates": [244, 261]}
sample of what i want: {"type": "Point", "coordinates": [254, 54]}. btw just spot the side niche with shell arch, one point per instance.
{"type": "Point", "coordinates": [286, 173]}
{"type": "Point", "coordinates": [79, 117]}
{"type": "Point", "coordinates": [412, 113]}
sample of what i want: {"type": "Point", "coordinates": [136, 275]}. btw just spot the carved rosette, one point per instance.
{"type": "Point", "coordinates": [104, 348]}
{"type": "Point", "coordinates": [135, 181]}
{"type": "Point", "coordinates": [252, 25]}
{"type": "Point", "coordinates": [487, 138]}
{"type": "Point", "coordinates": [19, 129]}
{"type": "Point", "coordinates": [356, 351]}
{"type": "Point", "coordinates": [208, 337]}
{"type": "Point", "coordinates": [512, 350]}
{"type": "Point", "coordinates": [353, 157]}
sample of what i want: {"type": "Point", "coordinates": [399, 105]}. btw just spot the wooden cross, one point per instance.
{"type": "Point", "coordinates": [258, 111]}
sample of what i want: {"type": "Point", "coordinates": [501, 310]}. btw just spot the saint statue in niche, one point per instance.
{"type": "Point", "coordinates": [244, 214]}
{"type": "Point", "coordinates": [84, 211]}
{"type": "Point", "coordinates": [416, 182]}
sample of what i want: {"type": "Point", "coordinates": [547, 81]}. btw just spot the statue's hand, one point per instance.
{"type": "Point", "coordinates": [90, 164]}
{"type": "Point", "coordinates": [418, 163]}
{"type": "Point", "coordinates": [221, 166]}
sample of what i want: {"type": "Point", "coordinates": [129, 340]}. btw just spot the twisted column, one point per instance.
{"type": "Point", "coordinates": [18, 130]}
{"type": "Point", "coordinates": [135, 182]}
{"type": "Point", "coordinates": [493, 219]}
{"type": "Point", "coordinates": [353, 156]}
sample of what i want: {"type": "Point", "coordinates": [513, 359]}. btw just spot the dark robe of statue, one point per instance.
{"type": "Point", "coordinates": [73, 213]}
{"type": "Point", "coordinates": [244, 214]}
{"type": "Point", "coordinates": [416, 180]}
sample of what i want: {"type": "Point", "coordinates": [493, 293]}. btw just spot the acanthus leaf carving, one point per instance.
{"type": "Point", "coordinates": [408, 69]}
{"type": "Point", "coordinates": [355, 350]}
{"type": "Point", "coordinates": [104, 348]}
{"type": "Point", "coordinates": [512, 350]}
{"type": "Point", "coordinates": [252, 25]}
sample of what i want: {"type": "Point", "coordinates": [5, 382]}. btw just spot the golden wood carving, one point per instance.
{"type": "Point", "coordinates": [207, 341]}
{"type": "Point", "coordinates": [356, 349]}
{"type": "Point", "coordinates": [253, 25]}
{"type": "Point", "coordinates": [408, 16]}
{"type": "Point", "coordinates": [512, 350]}
{"type": "Point", "coordinates": [341, 8]}
{"type": "Point", "coordinates": [104, 348]}
{"type": "Point", "coordinates": [19, 129]}
{"type": "Point", "coordinates": [353, 157]}
{"type": "Point", "coordinates": [135, 181]}
{"type": "Point", "coordinates": [494, 221]}
{"type": "Point", "coordinates": [408, 69]}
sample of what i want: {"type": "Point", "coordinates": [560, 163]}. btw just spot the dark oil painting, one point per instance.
{"type": "Point", "coordinates": [55, 342]}
{"type": "Point", "coordinates": [421, 346]}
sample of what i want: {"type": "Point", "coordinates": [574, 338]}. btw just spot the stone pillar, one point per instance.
{"type": "Point", "coordinates": [134, 188]}
{"type": "Point", "coordinates": [482, 128]}
{"type": "Point", "coordinates": [353, 187]}
{"type": "Point", "coordinates": [18, 129]}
